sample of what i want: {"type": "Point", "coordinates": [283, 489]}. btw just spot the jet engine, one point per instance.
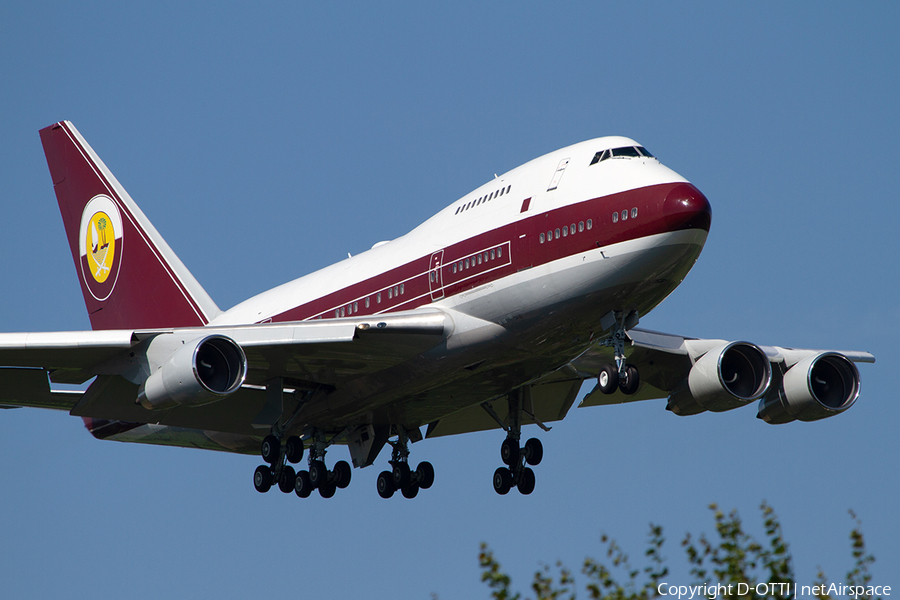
{"type": "Point", "coordinates": [199, 372]}
{"type": "Point", "coordinates": [817, 387]}
{"type": "Point", "coordinates": [724, 378]}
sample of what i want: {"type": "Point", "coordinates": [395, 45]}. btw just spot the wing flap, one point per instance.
{"type": "Point", "coordinates": [31, 387]}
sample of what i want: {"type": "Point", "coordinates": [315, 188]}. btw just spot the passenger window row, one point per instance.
{"type": "Point", "coordinates": [626, 152]}
{"type": "Point", "coordinates": [565, 231]}
{"type": "Point", "coordinates": [485, 198]}
{"type": "Point", "coordinates": [470, 262]}
{"type": "Point", "coordinates": [353, 307]}
{"type": "Point", "coordinates": [624, 216]}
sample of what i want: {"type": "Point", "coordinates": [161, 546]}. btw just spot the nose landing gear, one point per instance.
{"type": "Point", "coordinates": [619, 376]}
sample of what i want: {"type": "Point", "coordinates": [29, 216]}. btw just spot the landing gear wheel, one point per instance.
{"type": "Point", "coordinates": [287, 479]}
{"type": "Point", "coordinates": [526, 481]}
{"type": "Point", "coordinates": [425, 475]}
{"type": "Point", "coordinates": [410, 491]}
{"type": "Point", "coordinates": [629, 384]}
{"type": "Point", "coordinates": [293, 449]}
{"type": "Point", "coordinates": [327, 490]}
{"type": "Point", "coordinates": [262, 479]}
{"type": "Point", "coordinates": [534, 452]}
{"type": "Point", "coordinates": [318, 473]}
{"type": "Point", "coordinates": [608, 379]}
{"type": "Point", "coordinates": [270, 449]}
{"type": "Point", "coordinates": [401, 474]}
{"type": "Point", "coordinates": [342, 474]}
{"type": "Point", "coordinates": [385, 484]}
{"type": "Point", "coordinates": [509, 451]}
{"type": "Point", "coordinates": [503, 480]}
{"type": "Point", "coordinates": [303, 487]}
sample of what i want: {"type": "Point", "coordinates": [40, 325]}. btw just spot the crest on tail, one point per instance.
{"type": "Point", "coordinates": [100, 246]}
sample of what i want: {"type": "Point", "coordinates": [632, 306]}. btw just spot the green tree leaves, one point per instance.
{"type": "Point", "coordinates": [734, 557]}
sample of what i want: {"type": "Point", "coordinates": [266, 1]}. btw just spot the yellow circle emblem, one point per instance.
{"type": "Point", "coordinates": [101, 246]}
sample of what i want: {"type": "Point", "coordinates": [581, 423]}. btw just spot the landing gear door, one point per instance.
{"type": "Point", "coordinates": [435, 281]}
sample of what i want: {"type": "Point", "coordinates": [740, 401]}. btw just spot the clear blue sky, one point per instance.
{"type": "Point", "coordinates": [266, 142]}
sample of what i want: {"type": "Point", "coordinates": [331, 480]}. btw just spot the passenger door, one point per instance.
{"type": "Point", "coordinates": [435, 282]}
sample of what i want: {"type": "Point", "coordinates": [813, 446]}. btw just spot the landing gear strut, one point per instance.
{"type": "Point", "coordinates": [401, 477]}
{"type": "Point", "coordinates": [516, 473]}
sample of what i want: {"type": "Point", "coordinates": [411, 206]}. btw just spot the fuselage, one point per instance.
{"type": "Point", "coordinates": [543, 252]}
{"type": "Point", "coordinates": [554, 207]}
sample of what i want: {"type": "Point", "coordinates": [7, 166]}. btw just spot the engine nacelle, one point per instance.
{"type": "Point", "coordinates": [201, 371]}
{"type": "Point", "coordinates": [724, 378]}
{"type": "Point", "coordinates": [817, 387]}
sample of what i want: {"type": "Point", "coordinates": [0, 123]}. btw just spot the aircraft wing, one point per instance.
{"type": "Point", "coordinates": [789, 383]}
{"type": "Point", "coordinates": [303, 355]}
{"type": "Point", "coordinates": [702, 374]}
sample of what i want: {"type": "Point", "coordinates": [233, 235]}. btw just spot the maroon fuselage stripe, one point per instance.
{"type": "Point", "coordinates": [516, 246]}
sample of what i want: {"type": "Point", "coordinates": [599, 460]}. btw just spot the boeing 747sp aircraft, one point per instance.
{"type": "Point", "coordinates": [489, 315]}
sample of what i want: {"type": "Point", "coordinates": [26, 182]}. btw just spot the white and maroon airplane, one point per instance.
{"type": "Point", "coordinates": [489, 315]}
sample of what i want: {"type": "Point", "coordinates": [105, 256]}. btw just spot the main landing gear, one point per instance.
{"type": "Point", "coordinates": [516, 472]}
{"type": "Point", "coordinates": [303, 482]}
{"type": "Point", "coordinates": [619, 376]}
{"type": "Point", "coordinates": [277, 471]}
{"type": "Point", "coordinates": [401, 477]}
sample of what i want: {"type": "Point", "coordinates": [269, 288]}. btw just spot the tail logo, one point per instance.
{"type": "Point", "coordinates": [100, 245]}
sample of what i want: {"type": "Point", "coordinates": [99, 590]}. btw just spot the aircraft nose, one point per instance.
{"type": "Point", "coordinates": [685, 207]}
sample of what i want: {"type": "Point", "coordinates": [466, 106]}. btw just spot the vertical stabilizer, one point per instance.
{"type": "Point", "coordinates": [129, 275]}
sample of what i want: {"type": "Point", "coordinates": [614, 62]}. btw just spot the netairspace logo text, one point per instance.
{"type": "Point", "coordinates": [713, 591]}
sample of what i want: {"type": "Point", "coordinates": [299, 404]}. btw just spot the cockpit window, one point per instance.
{"type": "Point", "coordinates": [629, 151]}
{"type": "Point", "coordinates": [600, 156]}
{"type": "Point", "coordinates": [624, 152]}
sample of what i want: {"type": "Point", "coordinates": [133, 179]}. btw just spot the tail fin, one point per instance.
{"type": "Point", "coordinates": [130, 277]}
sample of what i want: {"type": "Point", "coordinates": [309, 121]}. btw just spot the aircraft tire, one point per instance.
{"type": "Point", "coordinates": [629, 385]}
{"type": "Point", "coordinates": [318, 473]}
{"type": "Point", "coordinates": [302, 485]}
{"type": "Point", "coordinates": [293, 449]}
{"type": "Point", "coordinates": [401, 475]}
{"type": "Point", "coordinates": [526, 481]}
{"type": "Point", "coordinates": [287, 479]}
{"type": "Point", "coordinates": [262, 479]}
{"type": "Point", "coordinates": [608, 379]}
{"type": "Point", "coordinates": [342, 474]}
{"type": "Point", "coordinates": [327, 490]}
{"type": "Point", "coordinates": [502, 481]}
{"type": "Point", "coordinates": [509, 451]}
{"type": "Point", "coordinates": [410, 491]}
{"type": "Point", "coordinates": [270, 449]}
{"type": "Point", "coordinates": [534, 452]}
{"type": "Point", "coordinates": [385, 484]}
{"type": "Point", "coordinates": [425, 475]}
